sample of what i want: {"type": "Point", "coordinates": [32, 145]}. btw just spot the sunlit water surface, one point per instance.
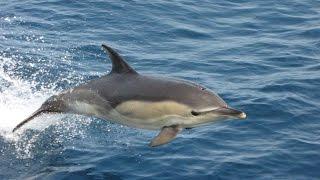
{"type": "Point", "coordinates": [260, 56]}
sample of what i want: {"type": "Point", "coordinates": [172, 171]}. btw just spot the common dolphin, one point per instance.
{"type": "Point", "coordinates": [129, 98]}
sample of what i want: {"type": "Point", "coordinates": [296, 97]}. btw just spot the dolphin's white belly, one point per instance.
{"type": "Point", "coordinates": [140, 114]}
{"type": "Point", "coordinates": [150, 115]}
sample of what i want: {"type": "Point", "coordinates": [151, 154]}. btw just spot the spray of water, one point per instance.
{"type": "Point", "coordinates": [18, 99]}
{"type": "Point", "coordinates": [20, 96]}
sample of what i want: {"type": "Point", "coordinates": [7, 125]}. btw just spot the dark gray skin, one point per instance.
{"type": "Point", "coordinates": [123, 95]}
{"type": "Point", "coordinates": [118, 88]}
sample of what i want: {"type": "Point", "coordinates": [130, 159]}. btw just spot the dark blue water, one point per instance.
{"type": "Point", "coordinates": [262, 57]}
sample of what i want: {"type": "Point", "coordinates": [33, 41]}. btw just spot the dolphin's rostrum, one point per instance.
{"type": "Point", "coordinates": [129, 98]}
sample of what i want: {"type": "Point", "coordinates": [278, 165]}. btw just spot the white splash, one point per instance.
{"type": "Point", "coordinates": [18, 99]}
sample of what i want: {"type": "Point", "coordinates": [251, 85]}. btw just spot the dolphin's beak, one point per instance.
{"type": "Point", "coordinates": [227, 111]}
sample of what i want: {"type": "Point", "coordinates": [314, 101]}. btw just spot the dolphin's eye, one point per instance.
{"type": "Point", "coordinates": [200, 87]}
{"type": "Point", "coordinates": [195, 113]}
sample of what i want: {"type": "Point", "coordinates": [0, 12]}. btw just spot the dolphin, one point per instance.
{"type": "Point", "coordinates": [124, 96]}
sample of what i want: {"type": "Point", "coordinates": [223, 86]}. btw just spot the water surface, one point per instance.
{"type": "Point", "coordinates": [260, 56]}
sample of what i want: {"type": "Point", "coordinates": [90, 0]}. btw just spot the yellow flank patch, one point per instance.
{"type": "Point", "coordinates": [150, 110]}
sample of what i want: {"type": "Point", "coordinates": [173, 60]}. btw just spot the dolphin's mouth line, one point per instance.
{"type": "Point", "coordinates": [224, 111]}
{"type": "Point", "coordinates": [203, 111]}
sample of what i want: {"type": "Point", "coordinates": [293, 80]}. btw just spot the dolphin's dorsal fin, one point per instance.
{"type": "Point", "coordinates": [119, 65]}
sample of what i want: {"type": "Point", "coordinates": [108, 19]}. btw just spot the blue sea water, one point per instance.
{"type": "Point", "coordinates": [262, 57]}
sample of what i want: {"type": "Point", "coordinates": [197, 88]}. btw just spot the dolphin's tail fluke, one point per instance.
{"type": "Point", "coordinates": [35, 114]}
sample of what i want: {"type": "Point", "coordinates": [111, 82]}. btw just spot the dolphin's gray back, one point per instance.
{"type": "Point", "coordinates": [119, 88]}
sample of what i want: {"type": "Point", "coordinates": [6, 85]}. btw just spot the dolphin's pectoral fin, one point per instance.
{"type": "Point", "coordinates": [167, 134]}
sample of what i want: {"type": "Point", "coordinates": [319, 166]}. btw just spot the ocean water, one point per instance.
{"type": "Point", "coordinates": [262, 57]}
